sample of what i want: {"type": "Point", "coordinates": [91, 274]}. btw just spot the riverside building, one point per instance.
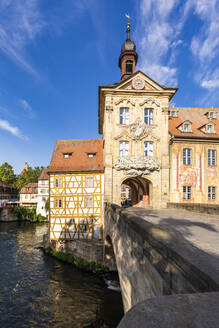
{"type": "Point", "coordinates": [150, 155]}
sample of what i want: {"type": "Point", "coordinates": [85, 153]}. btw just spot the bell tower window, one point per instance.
{"type": "Point", "coordinates": [129, 66]}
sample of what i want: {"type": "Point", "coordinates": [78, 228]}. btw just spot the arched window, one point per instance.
{"type": "Point", "coordinates": [129, 66]}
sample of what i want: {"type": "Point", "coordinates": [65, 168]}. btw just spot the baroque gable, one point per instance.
{"type": "Point", "coordinates": [139, 81]}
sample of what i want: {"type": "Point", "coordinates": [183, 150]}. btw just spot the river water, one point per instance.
{"type": "Point", "coordinates": [37, 290]}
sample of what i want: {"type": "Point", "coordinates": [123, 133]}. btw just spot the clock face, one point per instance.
{"type": "Point", "coordinates": [138, 83]}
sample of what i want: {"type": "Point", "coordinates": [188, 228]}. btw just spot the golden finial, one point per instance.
{"type": "Point", "coordinates": [128, 26]}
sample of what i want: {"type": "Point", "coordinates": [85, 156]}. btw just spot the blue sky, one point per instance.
{"type": "Point", "coordinates": [55, 53]}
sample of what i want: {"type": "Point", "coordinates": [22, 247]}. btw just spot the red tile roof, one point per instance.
{"type": "Point", "coordinates": [32, 188]}
{"type": "Point", "coordinates": [78, 160]}
{"type": "Point", "coordinates": [198, 118]}
{"type": "Point", "coordinates": [44, 175]}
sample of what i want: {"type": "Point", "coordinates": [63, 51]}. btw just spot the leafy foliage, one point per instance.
{"type": "Point", "coordinates": [27, 214]}
{"type": "Point", "coordinates": [30, 175]}
{"type": "Point", "coordinates": [79, 262]}
{"type": "Point", "coordinates": [7, 173]}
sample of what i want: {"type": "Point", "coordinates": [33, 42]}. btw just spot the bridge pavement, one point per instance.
{"type": "Point", "coordinates": [194, 236]}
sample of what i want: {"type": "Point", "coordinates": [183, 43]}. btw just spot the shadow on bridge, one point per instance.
{"type": "Point", "coordinates": [160, 253]}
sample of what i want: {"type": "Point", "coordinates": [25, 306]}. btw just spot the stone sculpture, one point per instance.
{"type": "Point", "coordinates": [137, 165]}
{"type": "Point", "coordinates": [138, 129]}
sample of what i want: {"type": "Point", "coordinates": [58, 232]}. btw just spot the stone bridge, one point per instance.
{"type": "Point", "coordinates": [161, 253]}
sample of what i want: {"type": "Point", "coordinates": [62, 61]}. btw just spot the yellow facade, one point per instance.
{"type": "Point", "coordinates": [200, 174]}
{"type": "Point", "coordinates": [76, 206]}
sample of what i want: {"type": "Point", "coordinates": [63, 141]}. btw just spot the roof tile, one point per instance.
{"type": "Point", "coordinates": [79, 160]}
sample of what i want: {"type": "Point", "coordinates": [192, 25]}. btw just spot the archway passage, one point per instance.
{"type": "Point", "coordinates": [136, 191]}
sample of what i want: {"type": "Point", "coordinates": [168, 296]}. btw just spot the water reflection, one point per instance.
{"type": "Point", "coordinates": [39, 291]}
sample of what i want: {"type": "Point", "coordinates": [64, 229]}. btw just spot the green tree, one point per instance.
{"type": "Point", "coordinates": [7, 173]}
{"type": "Point", "coordinates": [30, 175]}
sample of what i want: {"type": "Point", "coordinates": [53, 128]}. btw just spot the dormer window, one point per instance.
{"type": "Point", "coordinates": [211, 114]}
{"type": "Point", "coordinates": [67, 155]}
{"type": "Point", "coordinates": [209, 128]}
{"type": "Point", "coordinates": [91, 155]}
{"type": "Point", "coordinates": [173, 113]}
{"type": "Point", "coordinates": [128, 66]}
{"type": "Point", "coordinates": [187, 127]}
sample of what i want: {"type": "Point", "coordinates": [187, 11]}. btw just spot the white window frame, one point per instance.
{"type": "Point", "coordinates": [123, 148]}
{"type": "Point", "coordinates": [186, 127]}
{"type": "Point", "coordinates": [149, 148]}
{"type": "Point", "coordinates": [58, 203]}
{"type": "Point", "coordinates": [187, 156]}
{"type": "Point", "coordinates": [211, 114]}
{"type": "Point", "coordinates": [89, 182]}
{"type": "Point", "coordinates": [148, 116]}
{"type": "Point", "coordinates": [187, 192]}
{"type": "Point", "coordinates": [211, 157]}
{"type": "Point", "coordinates": [124, 115]}
{"type": "Point", "coordinates": [89, 202]}
{"type": "Point", "coordinates": [57, 182]}
{"type": "Point", "coordinates": [211, 193]}
{"type": "Point", "coordinates": [209, 128]}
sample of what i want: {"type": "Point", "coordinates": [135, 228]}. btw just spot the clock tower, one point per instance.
{"type": "Point", "coordinates": [133, 119]}
{"type": "Point", "coordinates": [128, 57]}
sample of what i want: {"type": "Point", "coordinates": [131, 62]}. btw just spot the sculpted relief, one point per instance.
{"type": "Point", "coordinates": [139, 130]}
{"type": "Point", "coordinates": [137, 165]}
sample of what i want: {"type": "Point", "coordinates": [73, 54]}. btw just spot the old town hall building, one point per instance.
{"type": "Point", "coordinates": [150, 155]}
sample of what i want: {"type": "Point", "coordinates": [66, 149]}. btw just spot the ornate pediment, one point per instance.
{"type": "Point", "coordinates": [125, 101]}
{"type": "Point", "coordinates": [150, 101]}
{"type": "Point", "coordinates": [139, 81]}
{"type": "Point", "coordinates": [137, 165]}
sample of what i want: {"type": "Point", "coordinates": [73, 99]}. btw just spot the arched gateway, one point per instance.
{"type": "Point", "coordinates": [136, 191]}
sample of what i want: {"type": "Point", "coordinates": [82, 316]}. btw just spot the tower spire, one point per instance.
{"type": "Point", "coordinates": [128, 27]}
{"type": "Point", "coordinates": [128, 57]}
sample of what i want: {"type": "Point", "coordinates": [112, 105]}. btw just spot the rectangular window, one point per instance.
{"type": "Point", "coordinates": [149, 148]}
{"type": "Point", "coordinates": [187, 192]}
{"type": "Point", "coordinates": [186, 127]}
{"type": "Point", "coordinates": [57, 183]}
{"type": "Point", "coordinates": [211, 193]}
{"type": "Point", "coordinates": [58, 203]}
{"type": "Point", "coordinates": [210, 128]}
{"type": "Point", "coordinates": [187, 156]}
{"type": "Point", "coordinates": [89, 182]}
{"type": "Point", "coordinates": [89, 202]}
{"type": "Point", "coordinates": [124, 116]}
{"type": "Point", "coordinates": [211, 157]}
{"type": "Point", "coordinates": [123, 148]}
{"type": "Point", "coordinates": [148, 116]}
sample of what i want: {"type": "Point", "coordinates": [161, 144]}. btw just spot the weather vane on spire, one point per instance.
{"type": "Point", "coordinates": [128, 27]}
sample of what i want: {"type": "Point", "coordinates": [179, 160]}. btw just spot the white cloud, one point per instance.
{"type": "Point", "coordinates": [205, 44]}
{"type": "Point", "coordinates": [157, 33]}
{"type": "Point", "coordinates": [5, 125]}
{"type": "Point", "coordinates": [27, 108]}
{"type": "Point", "coordinates": [20, 23]}
{"type": "Point", "coordinates": [210, 84]}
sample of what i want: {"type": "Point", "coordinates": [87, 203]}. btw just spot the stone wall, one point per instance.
{"type": "Point", "coordinates": [146, 261]}
{"type": "Point", "coordinates": [181, 311]}
{"type": "Point", "coordinates": [201, 208]}
{"type": "Point", "coordinates": [6, 215]}
{"type": "Point", "coordinates": [88, 250]}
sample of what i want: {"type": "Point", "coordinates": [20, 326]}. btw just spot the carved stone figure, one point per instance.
{"type": "Point", "coordinates": [138, 129]}
{"type": "Point", "coordinates": [137, 165]}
